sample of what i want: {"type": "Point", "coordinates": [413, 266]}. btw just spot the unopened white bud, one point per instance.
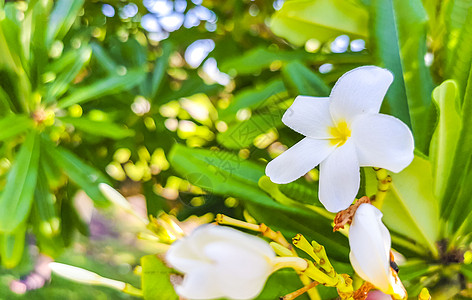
{"type": "Point", "coordinates": [84, 276]}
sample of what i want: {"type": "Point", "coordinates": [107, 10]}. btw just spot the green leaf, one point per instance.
{"type": "Point", "coordinates": [444, 141]}
{"type": "Point", "coordinates": [6, 105]}
{"type": "Point", "coordinates": [411, 22]}
{"type": "Point", "coordinates": [107, 86]}
{"type": "Point", "coordinates": [461, 157]}
{"type": "Point", "coordinates": [46, 222]}
{"type": "Point", "coordinates": [43, 207]}
{"type": "Point", "coordinates": [85, 176]}
{"type": "Point", "coordinates": [156, 283]}
{"type": "Point", "coordinates": [410, 207]}
{"type": "Point", "coordinates": [104, 59]}
{"type": "Point", "coordinates": [13, 125]}
{"type": "Point", "coordinates": [69, 72]}
{"type": "Point", "coordinates": [385, 48]}
{"type": "Point", "coordinates": [458, 65]}
{"type": "Point", "coordinates": [301, 20]}
{"type": "Point", "coordinates": [160, 69]}
{"type": "Point", "coordinates": [226, 174]}
{"type": "Point", "coordinates": [61, 19]}
{"type": "Point", "coordinates": [12, 246]}
{"type": "Point", "coordinates": [300, 80]}
{"type": "Point", "coordinates": [17, 196]}
{"type": "Point", "coordinates": [252, 98]}
{"type": "Point", "coordinates": [456, 38]}
{"type": "Point", "coordinates": [99, 128]}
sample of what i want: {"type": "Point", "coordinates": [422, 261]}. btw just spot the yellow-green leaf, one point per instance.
{"type": "Point", "coordinates": [444, 141]}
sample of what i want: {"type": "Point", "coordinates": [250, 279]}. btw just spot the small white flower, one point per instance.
{"type": "Point", "coordinates": [221, 262]}
{"type": "Point", "coordinates": [370, 244]}
{"type": "Point", "coordinates": [344, 132]}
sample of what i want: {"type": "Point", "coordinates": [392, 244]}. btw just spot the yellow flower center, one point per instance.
{"type": "Point", "coordinates": [340, 133]}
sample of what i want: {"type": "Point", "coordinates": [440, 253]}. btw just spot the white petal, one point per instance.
{"type": "Point", "coordinates": [339, 178]}
{"type": "Point", "coordinates": [370, 243]}
{"type": "Point", "coordinates": [383, 141]}
{"type": "Point", "coordinates": [298, 160]}
{"type": "Point", "coordinates": [182, 257]}
{"type": "Point", "coordinates": [207, 234]}
{"type": "Point", "coordinates": [200, 284]}
{"type": "Point", "coordinates": [309, 116]}
{"type": "Point", "coordinates": [359, 91]}
{"type": "Point", "coordinates": [241, 273]}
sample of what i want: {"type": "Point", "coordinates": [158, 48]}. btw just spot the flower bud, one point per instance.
{"type": "Point", "coordinates": [370, 251]}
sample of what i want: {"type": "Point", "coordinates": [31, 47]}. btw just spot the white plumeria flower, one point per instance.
{"type": "Point", "coordinates": [370, 244]}
{"type": "Point", "coordinates": [344, 132]}
{"type": "Point", "coordinates": [221, 262]}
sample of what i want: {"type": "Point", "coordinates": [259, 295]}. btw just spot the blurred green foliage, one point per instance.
{"type": "Point", "coordinates": [106, 91]}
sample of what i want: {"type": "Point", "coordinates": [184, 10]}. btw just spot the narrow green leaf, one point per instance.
{"type": "Point", "coordinates": [459, 63]}
{"type": "Point", "coordinates": [17, 197]}
{"type": "Point", "coordinates": [301, 20]}
{"type": "Point", "coordinates": [461, 212]}
{"type": "Point", "coordinates": [444, 141]}
{"type": "Point", "coordinates": [160, 69]}
{"type": "Point", "coordinates": [12, 246]}
{"type": "Point", "coordinates": [411, 23]}
{"type": "Point", "coordinates": [43, 207]}
{"type": "Point", "coordinates": [107, 86]}
{"type": "Point", "coordinates": [456, 16]}
{"type": "Point", "coordinates": [61, 19]}
{"type": "Point", "coordinates": [226, 174]}
{"type": "Point", "coordinates": [6, 106]}
{"type": "Point", "coordinates": [85, 176]}
{"type": "Point", "coordinates": [461, 156]}
{"type": "Point", "coordinates": [104, 59]}
{"type": "Point", "coordinates": [385, 48]}
{"type": "Point", "coordinates": [156, 283]}
{"type": "Point", "coordinates": [10, 46]}
{"type": "Point", "coordinates": [300, 80]}
{"type": "Point", "coordinates": [13, 125]}
{"type": "Point", "coordinates": [99, 128]}
{"type": "Point", "coordinates": [410, 207]}
{"type": "Point", "coordinates": [63, 79]}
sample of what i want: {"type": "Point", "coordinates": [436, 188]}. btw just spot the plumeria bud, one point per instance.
{"type": "Point", "coordinates": [84, 276]}
{"type": "Point", "coordinates": [221, 262]}
{"type": "Point", "coordinates": [91, 278]}
{"type": "Point", "coordinates": [117, 199]}
{"type": "Point", "coordinates": [370, 244]}
{"type": "Point", "coordinates": [343, 133]}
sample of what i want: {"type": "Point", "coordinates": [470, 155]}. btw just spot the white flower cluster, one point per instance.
{"type": "Point", "coordinates": [343, 133]}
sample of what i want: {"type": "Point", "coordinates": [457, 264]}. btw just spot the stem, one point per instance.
{"type": "Point", "coordinates": [384, 182]}
{"type": "Point", "coordinates": [262, 228]}
{"type": "Point", "coordinates": [225, 220]}
{"type": "Point", "coordinates": [300, 292]}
